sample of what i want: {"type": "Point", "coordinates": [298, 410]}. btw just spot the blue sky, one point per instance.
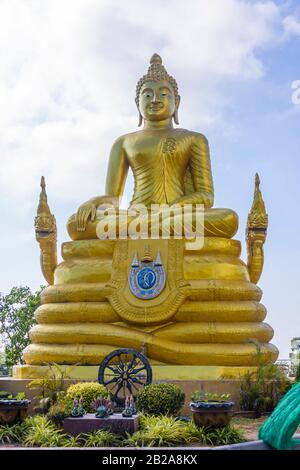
{"type": "Point", "coordinates": [68, 71]}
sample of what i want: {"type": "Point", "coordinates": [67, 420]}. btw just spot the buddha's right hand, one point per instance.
{"type": "Point", "coordinates": [85, 211]}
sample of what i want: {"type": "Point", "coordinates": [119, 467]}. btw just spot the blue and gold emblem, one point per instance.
{"type": "Point", "coordinates": [147, 278]}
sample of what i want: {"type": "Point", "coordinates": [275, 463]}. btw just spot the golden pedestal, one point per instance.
{"type": "Point", "coordinates": [204, 325]}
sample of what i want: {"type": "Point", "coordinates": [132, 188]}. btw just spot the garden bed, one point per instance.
{"type": "Point", "coordinates": [248, 427]}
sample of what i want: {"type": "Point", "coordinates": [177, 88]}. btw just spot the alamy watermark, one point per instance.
{"type": "Point", "coordinates": [159, 221]}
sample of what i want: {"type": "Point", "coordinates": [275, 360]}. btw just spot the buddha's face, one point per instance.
{"type": "Point", "coordinates": [157, 101]}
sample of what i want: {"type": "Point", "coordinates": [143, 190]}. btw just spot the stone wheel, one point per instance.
{"type": "Point", "coordinates": [123, 372]}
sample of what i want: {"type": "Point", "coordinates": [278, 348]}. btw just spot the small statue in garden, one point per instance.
{"type": "Point", "coordinates": [103, 407]}
{"type": "Point", "coordinates": [43, 405]}
{"type": "Point", "coordinates": [78, 410]}
{"type": "Point", "coordinates": [129, 409]}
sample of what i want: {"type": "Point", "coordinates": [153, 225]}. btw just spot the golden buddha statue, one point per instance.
{"type": "Point", "coordinates": [170, 166]}
{"type": "Point", "coordinates": [194, 308]}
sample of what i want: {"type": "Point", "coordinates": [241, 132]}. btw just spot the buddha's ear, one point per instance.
{"type": "Point", "coordinates": [140, 116]}
{"type": "Point", "coordinates": [175, 115]}
{"type": "Point", "coordinates": [140, 119]}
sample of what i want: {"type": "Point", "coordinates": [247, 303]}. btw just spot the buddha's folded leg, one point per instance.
{"type": "Point", "coordinates": [220, 223]}
{"type": "Point", "coordinates": [216, 223]}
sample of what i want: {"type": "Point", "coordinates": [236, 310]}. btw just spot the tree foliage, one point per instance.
{"type": "Point", "coordinates": [297, 374]}
{"type": "Point", "coordinates": [16, 318]}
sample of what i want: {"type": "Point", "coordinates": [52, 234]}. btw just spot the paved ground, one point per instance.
{"type": "Point", "coordinates": [250, 427]}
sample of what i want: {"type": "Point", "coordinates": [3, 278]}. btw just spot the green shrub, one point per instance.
{"type": "Point", "coordinates": [215, 436]}
{"type": "Point", "coordinates": [225, 436]}
{"type": "Point", "coordinates": [74, 441]}
{"type": "Point", "coordinates": [261, 391]}
{"type": "Point", "coordinates": [100, 438]}
{"type": "Point", "coordinates": [160, 431]}
{"type": "Point", "coordinates": [10, 434]}
{"type": "Point", "coordinates": [89, 391]}
{"type": "Point", "coordinates": [297, 374]}
{"type": "Point", "coordinates": [160, 399]}
{"type": "Point", "coordinates": [38, 431]}
{"type": "Point", "coordinates": [58, 412]}
{"type": "Point", "coordinates": [167, 431]}
{"type": "Point", "coordinates": [155, 431]}
{"type": "Point", "coordinates": [51, 388]}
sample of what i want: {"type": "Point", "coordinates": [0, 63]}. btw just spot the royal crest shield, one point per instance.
{"type": "Point", "coordinates": [147, 280]}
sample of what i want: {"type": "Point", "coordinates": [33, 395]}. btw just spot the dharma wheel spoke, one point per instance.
{"type": "Point", "coordinates": [135, 387]}
{"type": "Point", "coordinates": [115, 379]}
{"type": "Point", "coordinates": [135, 371]}
{"type": "Point", "coordinates": [135, 380]}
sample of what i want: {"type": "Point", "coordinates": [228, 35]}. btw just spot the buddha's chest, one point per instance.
{"type": "Point", "coordinates": [158, 152]}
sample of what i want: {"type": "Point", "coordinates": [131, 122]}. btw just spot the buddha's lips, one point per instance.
{"type": "Point", "coordinates": [156, 107]}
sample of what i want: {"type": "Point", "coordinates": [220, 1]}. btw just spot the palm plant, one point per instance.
{"type": "Point", "coordinates": [40, 432]}
{"type": "Point", "coordinates": [99, 438]}
{"type": "Point", "coordinates": [158, 431]}
{"type": "Point", "coordinates": [10, 434]}
{"type": "Point", "coordinates": [261, 391]}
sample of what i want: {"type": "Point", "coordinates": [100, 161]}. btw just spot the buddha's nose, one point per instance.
{"type": "Point", "coordinates": [155, 97]}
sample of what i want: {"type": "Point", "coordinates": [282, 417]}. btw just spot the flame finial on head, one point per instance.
{"type": "Point", "coordinates": [43, 183]}
{"type": "Point", "coordinates": [156, 59]}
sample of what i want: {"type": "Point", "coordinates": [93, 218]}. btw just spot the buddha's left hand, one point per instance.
{"type": "Point", "coordinates": [85, 211]}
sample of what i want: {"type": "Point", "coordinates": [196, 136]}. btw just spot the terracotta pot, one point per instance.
{"type": "Point", "coordinates": [13, 411]}
{"type": "Point", "coordinates": [212, 414]}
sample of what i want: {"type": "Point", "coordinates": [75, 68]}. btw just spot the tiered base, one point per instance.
{"type": "Point", "coordinates": [214, 330]}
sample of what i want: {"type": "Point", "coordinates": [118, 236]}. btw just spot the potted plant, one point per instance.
{"type": "Point", "coordinates": [13, 410]}
{"type": "Point", "coordinates": [211, 409]}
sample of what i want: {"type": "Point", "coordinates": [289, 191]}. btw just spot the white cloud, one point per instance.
{"type": "Point", "coordinates": [291, 26]}
{"type": "Point", "coordinates": [68, 70]}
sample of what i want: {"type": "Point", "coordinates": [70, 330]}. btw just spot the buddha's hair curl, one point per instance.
{"type": "Point", "coordinates": [156, 72]}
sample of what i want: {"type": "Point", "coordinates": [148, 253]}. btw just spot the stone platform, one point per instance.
{"type": "Point", "coordinates": [114, 423]}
